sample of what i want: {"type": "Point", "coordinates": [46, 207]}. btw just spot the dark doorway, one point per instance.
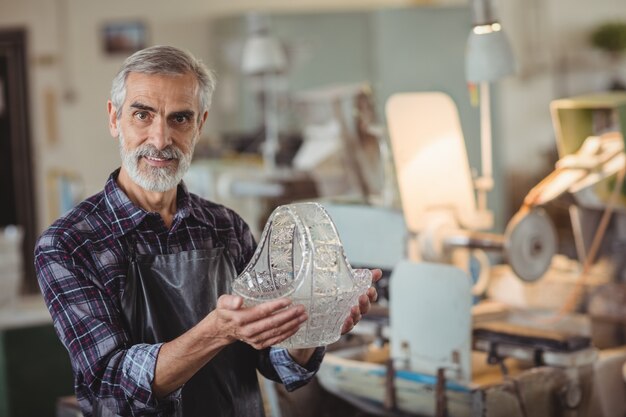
{"type": "Point", "coordinates": [16, 170]}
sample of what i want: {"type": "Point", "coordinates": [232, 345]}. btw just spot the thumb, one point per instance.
{"type": "Point", "coordinates": [230, 302]}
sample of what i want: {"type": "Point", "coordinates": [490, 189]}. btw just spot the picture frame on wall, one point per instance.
{"type": "Point", "coordinates": [123, 38]}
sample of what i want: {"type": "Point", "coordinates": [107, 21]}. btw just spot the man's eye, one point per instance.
{"type": "Point", "coordinates": [141, 115]}
{"type": "Point", "coordinates": [181, 119]}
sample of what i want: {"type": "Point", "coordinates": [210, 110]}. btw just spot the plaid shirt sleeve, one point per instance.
{"type": "Point", "coordinates": [291, 374]}
{"type": "Point", "coordinates": [89, 325]}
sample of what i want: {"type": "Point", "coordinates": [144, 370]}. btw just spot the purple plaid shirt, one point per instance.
{"type": "Point", "coordinates": [81, 262]}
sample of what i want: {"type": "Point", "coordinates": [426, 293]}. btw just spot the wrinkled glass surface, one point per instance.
{"type": "Point", "coordinates": [301, 257]}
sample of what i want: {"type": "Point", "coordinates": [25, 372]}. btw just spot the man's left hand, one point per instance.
{"type": "Point", "coordinates": [365, 301]}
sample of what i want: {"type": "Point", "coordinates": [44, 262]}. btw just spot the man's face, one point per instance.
{"type": "Point", "coordinates": [158, 128]}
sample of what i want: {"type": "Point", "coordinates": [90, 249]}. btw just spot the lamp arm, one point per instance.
{"type": "Point", "coordinates": [271, 145]}
{"type": "Point", "coordinates": [484, 183]}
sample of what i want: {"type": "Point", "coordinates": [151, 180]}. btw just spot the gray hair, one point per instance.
{"type": "Point", "coordinates": [165, 60]}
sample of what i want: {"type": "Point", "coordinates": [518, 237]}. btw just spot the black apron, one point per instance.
{"type": "Point", "coordinates": [166, 295]}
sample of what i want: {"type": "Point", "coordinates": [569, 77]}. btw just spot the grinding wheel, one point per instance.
{"type": "Point", "coordinates": [530, 243]}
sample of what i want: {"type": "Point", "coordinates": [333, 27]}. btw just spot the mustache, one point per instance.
{"type": "Point", "coordinates": [169, 152]}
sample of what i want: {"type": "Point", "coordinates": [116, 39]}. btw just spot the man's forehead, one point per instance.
{"type": "Point", "coordinates": [168, 76]}
{"type": "Point", "coordinates": [153, 89]}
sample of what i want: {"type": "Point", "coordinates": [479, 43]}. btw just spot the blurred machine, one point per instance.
{"type": "Point", "coordinates": [590, 141]}
{"type": "Point", "coordinates": [344, 148]}
{"type": "Point", "coordinates": [342, 154]}
{"type": "Point", "coordinates": [589, 178]}
{"type": "Point", "coordinates": [447, 357]}
{"type": "Point", "coordinates": [438, 194]}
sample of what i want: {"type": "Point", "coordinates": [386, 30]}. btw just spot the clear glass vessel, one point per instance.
{"type": "Point", "coordinates": [301, 257]}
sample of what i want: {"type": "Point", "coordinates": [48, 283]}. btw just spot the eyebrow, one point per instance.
{"type": "Point", "coordinates": [140, 106]}
{"type": "Point", "coordinates": [185, 113]}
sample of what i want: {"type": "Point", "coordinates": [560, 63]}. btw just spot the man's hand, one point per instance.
{"type": "Point", "coordinates": [365, 300]}
{"type": "Point", "coordinates": [260, 326]}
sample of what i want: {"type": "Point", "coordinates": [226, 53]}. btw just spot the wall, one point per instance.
{"type": "Point", "coordinates": [323, 48]}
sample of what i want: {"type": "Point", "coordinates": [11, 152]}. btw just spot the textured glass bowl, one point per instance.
{"type": "Point", "coordinates": [300, 257]}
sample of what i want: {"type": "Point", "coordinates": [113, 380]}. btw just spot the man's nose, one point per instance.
{"type": "Point", "coordinates": [159, 134]}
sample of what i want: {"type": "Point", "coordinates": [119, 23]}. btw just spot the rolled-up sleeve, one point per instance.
{"type": "Point", "coordinates": [292, 374]}
{"type": "Point", "coordinates": [91, 328]}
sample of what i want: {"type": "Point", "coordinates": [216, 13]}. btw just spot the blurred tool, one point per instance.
{"type": "Point", "coordinates": [264, 56]}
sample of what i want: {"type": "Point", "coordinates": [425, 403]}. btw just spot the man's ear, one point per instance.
{"type": "Point", "coordinates": [113, 127]}
{"type": "Point", "coordinates": [202, 120]}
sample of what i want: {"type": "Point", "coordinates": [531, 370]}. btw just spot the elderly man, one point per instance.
{"type": "Point", "coordinates": [137, 277]}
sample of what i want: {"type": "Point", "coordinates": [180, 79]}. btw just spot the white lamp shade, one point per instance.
{"type": "Point", "coordinates": [262, 54]}
{"type": "Point", "coordinates": [488, 56]}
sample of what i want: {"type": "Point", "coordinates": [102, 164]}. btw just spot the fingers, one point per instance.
{"type": "Point", "coordinates": [355, 314]}
{"type": "Point", "coordinates": [277, 334]}
{"type": "Point", "coordinates": [262, 325]}
{"type": "Point", "coordinates": [376, 275]}
{"type": "Point", "coordinates": [273, 323]}
{"type": "Point", "coordinates": [261, 311]}
{"type": "Point", "coordinates": [372, 294]}
{"type": "Point", "coordinates": [364, 304]}
{"type": "Point", "coordinates": [274, 341]}
{"type": "Point", "coordinates": [347, 325]}
{"type": "Point", "coordinates": [352, 320]}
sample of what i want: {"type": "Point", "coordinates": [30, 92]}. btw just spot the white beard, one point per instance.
{"type": "Point", "coordinates": [154, 178]}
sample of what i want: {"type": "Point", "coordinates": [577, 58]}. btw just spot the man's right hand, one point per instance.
{"type": "Point", "coordinates": [260, 326]}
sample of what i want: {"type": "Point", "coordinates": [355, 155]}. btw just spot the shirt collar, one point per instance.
{"type": "Point", "coordinates": [128, 215]}
{"type": "Point", "coordinates": [187, 207]}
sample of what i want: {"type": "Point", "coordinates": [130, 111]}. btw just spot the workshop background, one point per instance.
{"type": "Point", "coordinates": [58, 57]}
